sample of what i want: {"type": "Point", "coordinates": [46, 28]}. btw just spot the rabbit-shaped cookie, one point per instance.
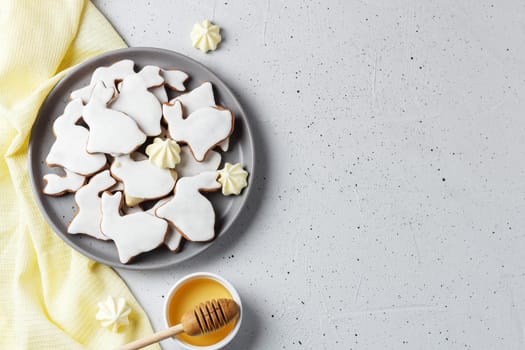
{"type": "Point", "coordinates": [138, 102]}
{"type": "Point", "coordinates": [110, 131]}
{"type": "Point", "coordinates": [201, 130]}
{"type": "Point", "coordinates": [133, 233]}
{"type": "Point", "coordinates": [69, 148]}
{"type": "Point", "coordinates": [189, 211]}
{"type": "Point", "coordinates": [108, 75]}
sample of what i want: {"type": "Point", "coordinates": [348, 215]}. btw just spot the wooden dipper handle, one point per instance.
{"type": "Point", "coordinates": [204, 318]}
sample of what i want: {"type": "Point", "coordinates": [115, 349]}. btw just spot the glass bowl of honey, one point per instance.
{"type": "Point", "coordinates": [192, 290]}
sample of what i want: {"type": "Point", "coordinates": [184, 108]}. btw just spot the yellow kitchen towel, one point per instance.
{"type": "Point", "coordinates": [48, 292]}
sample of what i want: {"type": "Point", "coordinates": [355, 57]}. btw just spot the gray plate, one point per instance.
{"type": "Point", "coordinates": [59, 211]}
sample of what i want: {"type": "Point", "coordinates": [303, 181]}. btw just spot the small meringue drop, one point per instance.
{"type": "Point", "coordinates": [113, 314]}
{"type": "Point", "coordinates": [164, 153]}
{"type": "Point", "coordinates": [232, 179]}
{"type": "Point", "coordinates": [205, 36]}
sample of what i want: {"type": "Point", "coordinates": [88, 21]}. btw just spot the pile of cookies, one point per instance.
{"type": "Point", "coordinates": [125, 146]}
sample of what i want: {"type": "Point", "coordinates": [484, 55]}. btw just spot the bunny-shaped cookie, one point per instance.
{"type": "Point", "coordinates": [69, 148]}
{"type": "Point", "coordinates": [189, 211]}
{"type": "Point", "coordinates": [108, 75]}
{"type": "Point", "coordinates": [110, 131]}
{"type": "Point", "coordinates": [133, 233]}
{"type": "Point", "coordinates": [201, 130]}
{"type": "Point", "coordinates": [138, 102]}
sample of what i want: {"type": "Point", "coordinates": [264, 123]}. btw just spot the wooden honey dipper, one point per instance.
{"type": "Point", "coordinates": [206, 317]}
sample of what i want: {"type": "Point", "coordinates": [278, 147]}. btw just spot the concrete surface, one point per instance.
{"type": "Point", "coordinates": [389, 206]}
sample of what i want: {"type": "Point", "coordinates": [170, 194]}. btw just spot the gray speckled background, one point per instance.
{"type": "Point", "coordinates": [389, 210]}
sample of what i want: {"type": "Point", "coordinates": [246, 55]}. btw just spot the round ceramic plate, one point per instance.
{"type": "Point", "coordinates": [59, 211]}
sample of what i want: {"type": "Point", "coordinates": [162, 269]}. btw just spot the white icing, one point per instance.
{"type": "Point", "coordinates": [174, 79]}
{"type": "Point", "coordinates": [224, 145]}
{"type": "Point", "coordinates": [188, 166]}
{"type": "Point", "coordinates": [160, 93]}
{"type": "Point", "coordinates": [205, 36]}
{"type": "Point", "coordinates": [69, 148]}
{"type": "Point", "coordinates": [201, 96]}
{"type": "Point", "coordinates": [133, 234]}
{"type": "Point", "coordinates": [173, 239]}
{"type": "Point", "coordinates": [110, 131]}
{"type": "Point", "coordinates": [138, 102]}
{"type": "Point", "coordinates": [142, 179]}
{"type": "Point", "coordinates": [232, 179]}
{"type": "Point", "coordinates": [56, 185]}
{"type": "Point", "coordinates": [88, 217]}
{"type": "Point", "coordinates": [108, 75]}
{"type": "Point", "coordinates": [113, 314]}
{"type": "Point", "coordinates": [201, 130]}
{"type": "Point", "coordinates": [189, 211]}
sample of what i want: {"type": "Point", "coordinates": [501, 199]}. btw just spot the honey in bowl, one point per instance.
{"type": "Point", "coordinates": [190, 294]}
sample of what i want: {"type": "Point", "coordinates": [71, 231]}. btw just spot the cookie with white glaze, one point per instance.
{"type": "Point", "coordinates": [189, 211]}
{"type": "Point", "coordinates": [174, 79]}
{"type": "Point", "coordinates": [88, 217]}
{"type": "Point", "coordinates": [201, 130]}
{"type": "Point", "coordinates": [174, 239]}
{"type": "Point", "coordinates": [57, 185]}
{"type": "Point", "coordinates": [69, 148]}
{"type": "Point", "coordinates": [133, 234]}
{"type": "Point", "coordinates": [138, 102]}
{"type": "Point", "coordinates": [142, 180]}
{"type": "Point", "coordinates": [200, 97]}
{"type": "Point", "coordinates": [188, 166]}
{"type": "Point", "coordinates": [108, 75]}
{"type": "Point", "coordinates": [160, 93]}
{"type": "Point", "coordinates": [224, 145]}
{"type": "Point", "coordinates": [110, 131]}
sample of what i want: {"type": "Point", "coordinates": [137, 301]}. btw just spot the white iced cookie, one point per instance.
{"type": "Point", "coordinates": [205, 36]}
{"type": "Point", "coordinates": [133, 234]}
{"type": "Point", "coordinates": [110, 131]}
{"type": "Point", "coordinates": [224, 145]}
{"type": "Point", "coordinates": [188, 166]}
{"type": "Point", "coordinates": [142, 180]}
{"type": "Point", "coordinates": [232, 179]}
{"type": "Point", "coordinates": [173, 238]}
{"type": "Point", "coordinates": [201, 130]}
{"type": "Point", "coordinates": [138, 102]}
{"type": "Point", "coordinates": [57, 185]}
{"type": "Point", "coordinates": [189, 211]}
{"type": "Point", "coordinates": [69, 148]}
{"type": "Point", "coordinates": [160, 93]}
{"type": "Point", "coordinates": [201, 96]}
{"type": "Point", "coordinates": [164, 153]}
{"type": "Point", "coordinates": [88, 217]}
{"type": "Point", "coordinates": [113, 314]}
{"type": "Point", "coordinates": [174, 79]}
{"type": "Point", "coordinates": [107, 75]}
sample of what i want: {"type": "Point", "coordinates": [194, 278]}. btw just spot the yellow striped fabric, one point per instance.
{"type": "Point", "coordinates": [48, 292]}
